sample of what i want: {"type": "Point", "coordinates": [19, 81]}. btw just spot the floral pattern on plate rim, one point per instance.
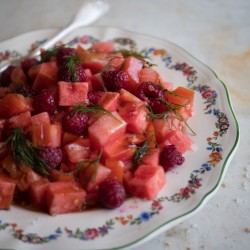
{"type": "Point", "coordinates": [214, 148]}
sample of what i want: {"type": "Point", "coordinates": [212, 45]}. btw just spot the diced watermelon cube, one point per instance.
{"type": "Point", "coordinates": [163, 127]}
{"type": "Point", "coordinates": [72, 93]}
{"type": "Point", "coordinates": [92, 176]}
{"type": "Point", "coordinates": [120, 149]}
{"type": "Point", "coordinates": [97, 82]}
{"type": "Point", "coordinates": [46, 76]}
{"type": "Point", "coordinates": [178, 138]}
{"type": "Point", "coordinates": [77, 150]}
{"type": "Point", "coordinates": [64, 197]}
{"type": "Point", "coordinates": [126, 96]}
{"type": "Point", "coordinates": [37, 192]}
{"type": "Point", "coordinates": [132, 66]}
{"type": "Point", "coordinates": [40, 119]}
{"type": "Point", "coordinates": [7, 188]}
{"type": "Point", "coordinates": [152, 157]}
{"type": "Point", "coordinates": [107, 46]}
{"type": "Point", "coordinates": [21, 120]}
{"type": "Point", "coordinates": [183, 96]}
{"type": "Point", "coordinates": [26, 177]}
{"type": "Point", "coordinates": [148, 74]}
{"type": "Point", "coordinates": [18, 76]}
{"type": "Point", "coordinates": [147, 181]}
{"type": "Point", "coordinates": [117, 169]}
{"type": "Point", "coordinates": [46, 135]}
{"type": "Point", "coordinates": [14, 104]}
{"type": "Point", "coordinates": [106, 129]}
{"type": "Point", "coordinates": [93, 60]}
{"type": "Point", "coordinates": [135, 116]}
{"type": "Point", "coordinates": [109, 101]}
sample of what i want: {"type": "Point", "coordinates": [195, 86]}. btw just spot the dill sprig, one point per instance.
{"type": "Point", "coordinates": [24, 152]}
{"type": "Point", "coordinates": [140, 152]}
{"type": "Point", "coordinates": [108, 65]}
{"type": "Point", "coordinates": [71, 63]}
{"type": "Point", "coordinates": [172, 111]}
{"type": "Point", "coordinates": [127, 53]}
{"type": "Point", "coordinates": [89, 167]}
{"type": "Point", "coordinates": [136, 54]}
{"type": "Point", "coordinates": [94, 109]}
{"type": "Point", "coordinates": [47, 54]}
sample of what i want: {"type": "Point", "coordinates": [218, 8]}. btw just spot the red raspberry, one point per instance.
{"type": "Point", "coordinates": [5, 79]}
{"type": "Point", "coordinates": [62, 54]}
{"type": "Point", "coordinates": [75, 122]}
{"type": "Point", "coordinates": [111, 194]}
{"type": "Point", "coordinates": [95, 96]}
{"type": "Point", "coordinates": [45, 101]}
{"type": "Point", "coordinates": [115, 79]}
{"type": "Point", "coordinates": [52, 156]}
{"type": "Point", "coordinates": [149, 90]}
{"type": "Point", "coordinates": [25, 91]}
{"type": "Point", "coordinates": [79, 74]}
{"type": "Point", "coordinates": [170, 157]}
{"type": "Point", "coordinates": [27, 63]}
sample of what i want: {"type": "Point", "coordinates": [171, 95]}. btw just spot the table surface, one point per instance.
{"type": "Point", "coordinates": [216, 32]}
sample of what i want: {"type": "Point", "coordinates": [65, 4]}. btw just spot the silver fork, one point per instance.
{"type": "Point", "coordinates": [88, 13]}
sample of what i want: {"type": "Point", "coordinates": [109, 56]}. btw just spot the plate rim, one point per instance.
{"type": "Point", "coordinates": [226, 161]}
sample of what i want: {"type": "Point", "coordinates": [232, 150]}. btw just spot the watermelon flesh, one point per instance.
{"type": "Point", "coordinates": [116, 130]}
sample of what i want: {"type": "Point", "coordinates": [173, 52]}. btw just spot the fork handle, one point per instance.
{"type": "Point", "coordinates": [88, 13]}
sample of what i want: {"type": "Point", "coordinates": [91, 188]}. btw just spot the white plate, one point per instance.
{"type": "Point", "coordinates": [188, 187]}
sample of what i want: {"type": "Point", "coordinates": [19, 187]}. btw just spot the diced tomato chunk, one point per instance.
{"type": "Point", "coordinates": [7, 188]}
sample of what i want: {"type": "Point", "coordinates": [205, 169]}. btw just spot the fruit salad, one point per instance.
{"type": "Point", "coordinates": [88, 127]}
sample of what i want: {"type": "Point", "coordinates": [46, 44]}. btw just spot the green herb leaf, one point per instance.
{"type": "Point", "coordinates": [47, 54]}
{"type": "Point", "coordinates": [90, 167]}
{"type": "Point", "coordinates": [140, 152]}
{"type": "Point", "coordinates": [107, 66]}
{"type": "Point", "coordinates": [24, 152]}
{"type": "Point", "coordinates": [71, 63]}
{"type": "Point", "coordinates": [93, 108]}
{"type": "Point", "coordinates": [172, 112]}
